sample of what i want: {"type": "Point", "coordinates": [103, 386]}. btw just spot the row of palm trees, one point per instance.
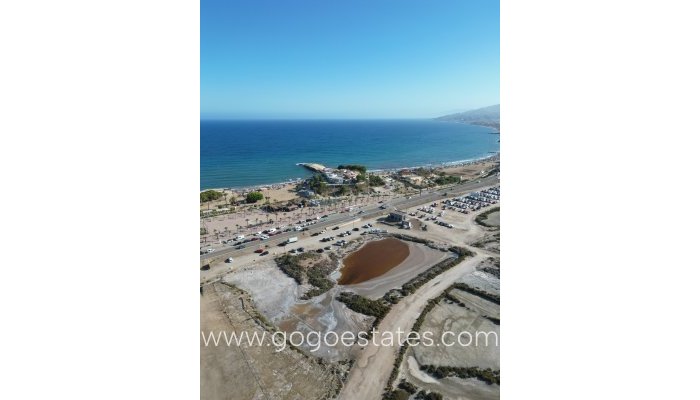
{"type": "Point", "coordinates": [291, 217]}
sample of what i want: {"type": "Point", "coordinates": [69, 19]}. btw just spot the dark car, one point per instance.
{"type": "Point", "coordinates": [300, 249]}
{"type": "Point", "coordinates": [319, 251]}
{"type": "Point", "coordinates": [240, 247]}
{"type": "Point", "coordinates": [355, 229]}
{"type": "Point", "coordinates": [327, 247]}
{"type": "Point", "coordinates": [336, 228]}
{"type": "Point", "coordinates": [264, 253]}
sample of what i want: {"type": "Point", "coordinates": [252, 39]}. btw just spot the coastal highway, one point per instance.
{"type": "Point", "coordinates": [346, 218]}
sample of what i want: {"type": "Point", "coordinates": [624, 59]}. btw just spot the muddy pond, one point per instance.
{"type": "Point", "coordinates": [372, 260]}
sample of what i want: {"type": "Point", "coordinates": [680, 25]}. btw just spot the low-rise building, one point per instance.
{"type": "Point", "coordinates": [396, 216]}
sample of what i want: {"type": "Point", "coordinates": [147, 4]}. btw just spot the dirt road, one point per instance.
{"type": "Point", "coordinates": [371, 371]}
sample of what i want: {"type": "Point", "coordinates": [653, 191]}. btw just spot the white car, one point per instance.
{"type": "Point", "coordinates": [210, 250]}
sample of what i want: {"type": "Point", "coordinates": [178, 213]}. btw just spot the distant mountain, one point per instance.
{"type": "Point", "coordinates": [488, 116]}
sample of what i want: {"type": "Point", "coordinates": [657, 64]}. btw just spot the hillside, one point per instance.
{"type": "Point", "coordinates": [488, 116]}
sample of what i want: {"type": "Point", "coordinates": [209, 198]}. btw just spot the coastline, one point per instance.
{"type": "Point", "coordinates": [438, 166]}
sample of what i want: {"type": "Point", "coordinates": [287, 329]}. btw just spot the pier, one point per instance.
{"type": "Point", "coordinates": [313, 167]}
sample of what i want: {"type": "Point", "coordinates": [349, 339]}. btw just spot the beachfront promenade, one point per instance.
{"type": "Point", "coordinates": [347, 218]}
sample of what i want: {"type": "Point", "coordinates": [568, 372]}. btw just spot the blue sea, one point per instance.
{"type": "Point", "coordinates": [249, 153]}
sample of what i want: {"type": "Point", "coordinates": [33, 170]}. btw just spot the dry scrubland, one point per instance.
{"type": "Point", "coordinates": [253, 372]}
{"type": "Point", "coordinates": [255, 294]}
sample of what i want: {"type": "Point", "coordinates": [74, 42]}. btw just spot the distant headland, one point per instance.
{"type": "Point", "coordinates": [487, 116]}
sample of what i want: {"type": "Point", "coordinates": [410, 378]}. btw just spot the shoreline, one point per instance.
{"type": "Point", "coordinates": [446, 164]}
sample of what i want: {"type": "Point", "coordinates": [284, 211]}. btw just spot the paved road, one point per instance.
{"type": "Point", "coordinates": [346, 218]}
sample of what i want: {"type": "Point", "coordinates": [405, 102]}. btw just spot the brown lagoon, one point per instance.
{"type": "Point", "coordinates": [372, 260]}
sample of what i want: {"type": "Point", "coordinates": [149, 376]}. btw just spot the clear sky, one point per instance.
{"type": "Point", "coordinates": [348, 59]}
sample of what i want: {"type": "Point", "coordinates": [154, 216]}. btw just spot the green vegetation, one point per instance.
{"type": "Point", "coordinates": [485, 375]}
{"type": "Point", "coordinates": [425, 276]}
{"type": "Point", "coordinates": [462, 251]}
{"type": "Point", "coordinates": [481, 218]}
{"type": "Point", "coordinates": [354, 167]}
{"type": "Point", "coordinates": [289, 264]}
{"type": "Point", "coordinates": [316, 275]}
{"type": "Point", "coordinates": [493, 271]}
{"type": "Point", "coordinates": [203, 231]}
{"type": "Point", "coordinates": [446, 179]}
{"type": "Point", "coordinates": [395, 370]}
{"type": "Point", "coordinates": [363, 305]}
{"type": "Point", "coordinates": [398, 394]}
{"type": "Point", "coordinates": [494, 298]}
{"type": "Point", "coordinates": [253, 197]}
{"type": "Point", "coordinates": [455, 300]}
{"type": "Point", "coordinates": [318, 185]}
{"type": "Point", "coordinates": [422, 395]}
{"type": "Point", "coordinates": [408, 386]}
{"type": "Point", "coordinates": [376, 180]}
{"type": "Point", "coordinates": [408, 238]}
{"type": "Point", "coordinates": [416, 328]}
{"type": "Point", "coordinates": [209, 195]}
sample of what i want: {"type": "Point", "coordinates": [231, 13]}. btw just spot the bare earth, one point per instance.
{"type": "Point", "coordinates": [259, 372]}
{"type": "Point", "coordinates": [374, 363]}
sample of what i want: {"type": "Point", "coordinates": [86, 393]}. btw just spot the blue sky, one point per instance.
{"type": "Point", "coordinates": [348, 59]}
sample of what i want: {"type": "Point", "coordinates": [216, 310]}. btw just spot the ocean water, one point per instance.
{"type": "Point", "coordinates": [250, 153]}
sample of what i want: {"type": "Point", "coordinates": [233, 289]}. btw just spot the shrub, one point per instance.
{"type": "Point", "coordinates": [354, 167]}
{"type": "Point", "coordinates": [445, 180]}
{"type": "Point", "coordinates": [363, 305]}
{"type": "Point", "coordinates": [481, 218]}
{"type": "Point", "coordinates": [209, 195]}
{"type": "Point", "coordinates": [253, 197]}
{"type": "Point", "coordinates": [494, 298]}
{"type": "Point", "coordinates": [485, 375]}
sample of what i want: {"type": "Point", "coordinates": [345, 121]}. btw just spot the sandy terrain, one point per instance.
{"type": "Point", "coordinates": [368, 377]}
{"type": "Point", "coordinates": [277, 296]}
{"type": "Point", "coordinates": [493, 219]}
{"type": "Point", "coordinates": [260, 372]}
{"type": "Point", "coordinates": [470, 171]}
{"type": "Point", "coordinates": [448, 317]}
